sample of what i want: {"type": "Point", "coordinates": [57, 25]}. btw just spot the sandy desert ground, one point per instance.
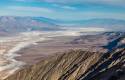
{"type": "Point", "coordinates": [9, 46]}
{"type": "Point", "coordinates": [30, 47]}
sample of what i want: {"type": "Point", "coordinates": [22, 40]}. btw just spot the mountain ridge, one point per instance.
{"type": "Point", "coordinates": [10, 24]}
{"type": "Point", "coordinates": [77, 64]}
{"type": "Point", "coordinates": [65, 67]}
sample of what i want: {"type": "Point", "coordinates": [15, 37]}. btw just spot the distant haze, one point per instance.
{"type": "Point", "coordinates": [55, 15]}
{"type": "Point", "coordinates": [66, 10]}
{"type": "Point", "coordinates": [9, 24]}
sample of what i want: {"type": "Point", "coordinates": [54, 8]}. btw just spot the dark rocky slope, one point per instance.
{"type": "Point", "coordinates": [77, 65]}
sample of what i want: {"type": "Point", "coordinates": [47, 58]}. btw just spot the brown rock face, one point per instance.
{"type": "Point", "coordinates": [77, 65]}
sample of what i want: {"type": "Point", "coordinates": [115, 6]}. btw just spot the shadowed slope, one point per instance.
{"type": "Point", "coordinates": [76, 65]}
{"type": "Point", "coordinates": [65, 66]}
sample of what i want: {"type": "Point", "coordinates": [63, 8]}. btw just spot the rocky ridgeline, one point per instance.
{"type": "Point", "coordinates": [77, 65]}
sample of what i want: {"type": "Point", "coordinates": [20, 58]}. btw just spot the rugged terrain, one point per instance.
{"type": "Point", "coordinates": [73, 58]}
{"type": "Point", "coordinates": [77, 65]}
{"type": "Point", "coordinates": [10, 25]}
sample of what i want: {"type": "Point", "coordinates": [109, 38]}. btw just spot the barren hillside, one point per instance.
{"type": "Point", "coordinates": [77, 65]}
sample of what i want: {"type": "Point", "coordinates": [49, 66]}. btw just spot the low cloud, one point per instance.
{"type": "Point", "coordinates": [111, 2]}
{"type": "Point", "coordinates": [35, 9]}
{"type": "Point", "coordinates": [65, 7]}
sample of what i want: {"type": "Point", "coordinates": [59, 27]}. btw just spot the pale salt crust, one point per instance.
{"type": "Point", "coordinates": [9, 56]}
{"type": "Point", "coordinates": [24, 40]}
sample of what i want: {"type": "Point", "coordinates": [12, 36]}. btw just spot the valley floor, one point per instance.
{"type": "Point", "coordinates": [30, 48]}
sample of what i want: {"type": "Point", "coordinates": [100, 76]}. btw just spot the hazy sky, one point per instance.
{"type": "Point", "coordinates": [64, 9]}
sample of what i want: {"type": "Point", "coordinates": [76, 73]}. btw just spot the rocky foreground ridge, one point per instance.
{"type": "Point", "coordinates": [77, 65]}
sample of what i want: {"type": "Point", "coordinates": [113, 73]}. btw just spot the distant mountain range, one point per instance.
{"type": "Point", "coordinates": [109, 24]}
{"type": "Point", "coordinates": [23, 24]}
{"type": "Point", "coordinates": [9, 24]}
